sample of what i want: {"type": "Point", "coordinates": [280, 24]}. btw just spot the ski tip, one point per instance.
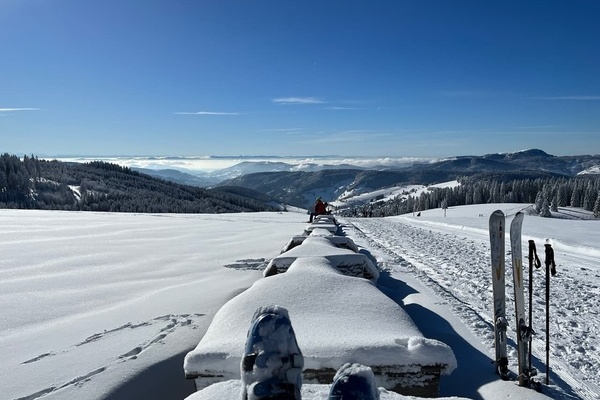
{"type": "Point", "coordinates": [518, 218]}
{"type": "Point", "coordinates": [497, 214]}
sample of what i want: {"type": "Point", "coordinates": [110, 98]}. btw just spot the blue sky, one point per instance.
{"type": "Point", "coordinates": [407, 78]}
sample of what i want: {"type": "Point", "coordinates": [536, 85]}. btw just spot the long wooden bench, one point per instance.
{"type": "Point", "coordinates": [337, 319]}
{"type": "Point", "coordinates": [322, 224]}
{"type": "Point", "coordinates": [346, 261]}
{"type": "Point", "coordinates": [325, 217]}
{"type": "Point", "coordinates": [343, 242]}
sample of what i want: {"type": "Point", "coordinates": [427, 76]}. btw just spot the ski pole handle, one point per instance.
{"type": "Point", "coordinates": [550, 259]}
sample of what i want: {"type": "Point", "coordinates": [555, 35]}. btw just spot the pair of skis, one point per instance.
{"type": "Point", "coordinates": [497, 225]}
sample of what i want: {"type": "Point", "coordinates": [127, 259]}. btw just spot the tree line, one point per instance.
{"type": "Point", "coordinates": [547, 194]}
{"type": "Point", "coordinates": [31, 183]}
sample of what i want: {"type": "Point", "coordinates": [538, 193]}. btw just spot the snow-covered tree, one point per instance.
{"type": "Point", "coordinates": [554, 204]}
{"type": "Point", "coordinates": [539, 200]}
{"type": "Point", "coordinates": [563, 195]}
{"type": "Point", "coordinates": [545, 209]}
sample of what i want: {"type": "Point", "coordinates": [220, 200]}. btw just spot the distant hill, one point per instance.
{"type": "Point", "coordinates": [99, 186]}
{"type": "Point", "coordinates": [177, 176]}
{"type": "Point", "coordinates": [214, 178]}
{"type": "Point", "coordinates": [255, 186]}
{"type": "Point", "coordinates": [300, 188]}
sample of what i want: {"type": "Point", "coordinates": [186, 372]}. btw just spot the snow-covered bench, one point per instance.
{"type": "Point", "coordinates": [231, 390]}
{"type": "Point", "coordinates": [325, 217]}
{"type": "Point", "coordinates": [320, 232]}
{"type": "Point", "coordinates": [343, 242]}
{"type": "Point", "coordinates": [321, 223]}
{"type": "Point", "coordinates": [337, 319]}
{"type": "Point", "coordinates": [346, 261]}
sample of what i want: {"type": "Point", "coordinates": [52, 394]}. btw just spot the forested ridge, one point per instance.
{"type": "Point", "coordinates": [547, 194]}
{"type": "Point", "coordinates": [31, 183]}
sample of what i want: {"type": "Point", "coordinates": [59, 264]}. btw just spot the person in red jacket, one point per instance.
{"type": "Point", "coordinates": [320, 207]}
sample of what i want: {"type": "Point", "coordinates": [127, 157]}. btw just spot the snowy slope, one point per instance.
{"type": "Point", "coordinates": [450, 256]}
{"type": "Point", "coordinates": [90, 300]}
{"type": "Point", "coordinates": [106, 305]}
{"type": "Point", "coordinates": [352, 198]}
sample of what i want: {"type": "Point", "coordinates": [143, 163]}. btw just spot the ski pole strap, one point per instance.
{"type": "Point", "coordinates": [533, 252]}
{"type": "Point", "coordinates": [550, 259]}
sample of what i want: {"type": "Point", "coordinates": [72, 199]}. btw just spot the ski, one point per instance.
{"type": "Point", "coordinates": [524, 332]}
{"type": "Point", "coordinates": [497, 238]}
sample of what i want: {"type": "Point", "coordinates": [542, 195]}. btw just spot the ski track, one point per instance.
{"type": "Point", "coordinates": [459, 270]}
{"type": "Point", "coordinates": [166, 324]}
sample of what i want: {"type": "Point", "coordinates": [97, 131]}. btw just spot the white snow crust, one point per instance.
{"type": "Point", "coordinates": [344, 259]}
{"type": "Point", "coordinates": [105, 306]}
{"type": "Point", "coordinates": [337, 319]}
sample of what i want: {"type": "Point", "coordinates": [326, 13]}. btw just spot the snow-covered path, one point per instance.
{"type": "Point", "coordinates": [453, 262]}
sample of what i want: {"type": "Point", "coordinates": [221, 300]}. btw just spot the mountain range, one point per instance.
{"type": "Point", "coordinates": [299, 185]}
{"type": "Point", "coordinates": [263, 185]}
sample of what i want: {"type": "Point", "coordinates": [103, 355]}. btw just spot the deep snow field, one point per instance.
{"type": "Point", "coordinates": [105, 306]}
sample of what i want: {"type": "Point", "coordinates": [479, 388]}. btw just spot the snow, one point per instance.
{"type": "Point", "coordinates": [101, 305]}
{"type": "Point", "coordinates": [91, 300]}
{"type": "Point", "coordinates": [337, 241]}
{"type": "Point", "coordinates": [352, 198]}
{"type": "Point", "coordinates": [336, 318]}
{"type": "Point", "coordinates": [450, 257]}
{"type": "Point", "coordinates": [346, 260]}
{"type": "Point", "coordinates": [591, 170]}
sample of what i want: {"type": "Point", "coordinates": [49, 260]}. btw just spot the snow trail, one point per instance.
{"type": "Point", "coordinates": [455, 263]}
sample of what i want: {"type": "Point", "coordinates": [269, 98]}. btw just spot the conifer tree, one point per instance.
{"type": "Point", "coordinates": [545, 209]}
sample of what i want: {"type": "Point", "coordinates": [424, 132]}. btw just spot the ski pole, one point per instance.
{"type": "Point", "coordinates": [550, 269]}
{"type": "Point", "coordinates": [532, 256]}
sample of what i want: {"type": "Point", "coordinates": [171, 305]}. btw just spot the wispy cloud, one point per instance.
{"type": "Point", "coordinates": [566, 98]}
{"type": "Point", "coordinates": [207, 113]}
{"type": "Point", "coordinates": [298, 100]}
{"type": "Point", "coordinates": [18, 109]}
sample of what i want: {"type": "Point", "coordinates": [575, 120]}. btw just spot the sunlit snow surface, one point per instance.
{"type": "Point", "coordinates": [336, 318]}
{"type": "Point", "coordinates": [90, 300]}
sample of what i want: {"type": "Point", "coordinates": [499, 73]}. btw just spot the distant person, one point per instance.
{"type": "Point", "coordinates": [317, 209]}
{"type": "Point", "coordinates": [320, 207]}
